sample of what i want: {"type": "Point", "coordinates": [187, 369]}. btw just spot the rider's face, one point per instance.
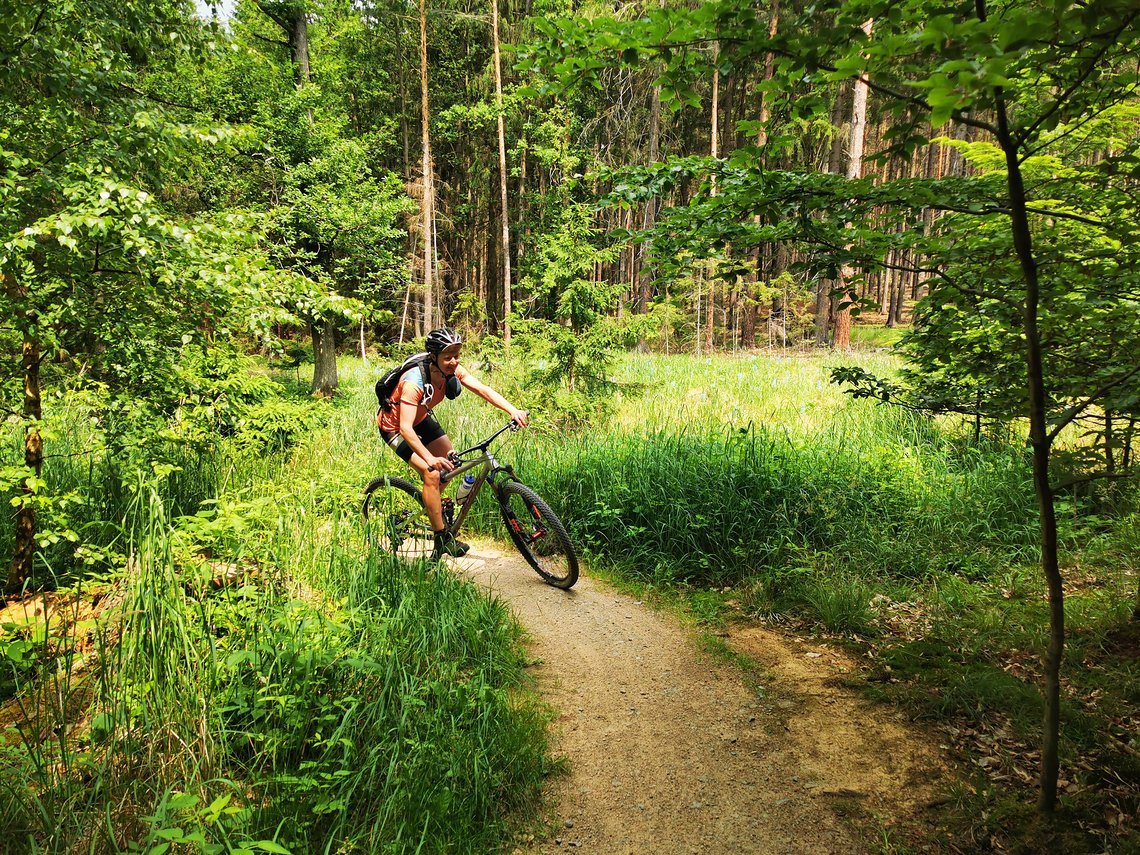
{"type": "Point", "coordinates": [449, 359]}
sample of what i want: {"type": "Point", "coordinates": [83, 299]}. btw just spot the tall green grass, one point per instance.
{"type": "Point", "coordinates": [329, 700]}
{"type": "Point", "coordinates": [902, 531]}
{"type": "Point", "coordinates": [334, 701]}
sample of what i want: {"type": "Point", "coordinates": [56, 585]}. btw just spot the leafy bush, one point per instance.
{"type": "Point", "coordinates": [277, 424]}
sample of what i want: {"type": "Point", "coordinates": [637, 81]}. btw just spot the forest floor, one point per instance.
{"type": "Point", "coordinates": [672, 748]}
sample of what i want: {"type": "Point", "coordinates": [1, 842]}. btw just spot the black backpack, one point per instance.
{"type": "Point", "coordinates": [387, 384]}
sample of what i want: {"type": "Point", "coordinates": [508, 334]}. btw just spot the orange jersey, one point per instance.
{"type": "Point", "coordinates": [411, 390]}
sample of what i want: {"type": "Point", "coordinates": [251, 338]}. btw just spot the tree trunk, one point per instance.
{"type": "Point", "coordinates": [293, 19]}
{"type": "Point", "coordinates": [842, 340]}
{"type": "Point", "coordinates": [649, 216]}
{"type": "Point", "coordinates": [699, 277]}
{"type": "Point", "coordinates": [23, 556]}
{"type": "Point", "coordinates": [324, 358]}
{"type": "Point", "coordinates": [299, 44]}
{"type": "Point", "coordinates": [426, 169]}
{"type": "Point", "coordinates": [405, 131]}
{"type": "Point", "coordinates": [523, 209]}
{"type": "Point", "coordinates": [1041, 443]}
{"type": "Point", "coordinates": [714, 152]}
{"type": "Point", "coordinates": [823, 299]}
{"type": "Point", "coordinates": [760, 254]}
{"type": "Point", "coordinates": [502, 177]}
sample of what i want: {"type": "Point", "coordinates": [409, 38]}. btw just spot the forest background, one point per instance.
{"type": "Point", "coordinates": [197, 207]}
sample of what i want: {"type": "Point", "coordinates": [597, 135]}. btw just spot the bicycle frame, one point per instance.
{"type": "Point", "coordinates": [491, 468]}
{"type": "Point", "coordinates": [532, 525]}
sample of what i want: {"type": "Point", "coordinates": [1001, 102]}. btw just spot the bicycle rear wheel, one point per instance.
{"type": "Point", "coordinates": [395, 518]}
{"type": "Point", "coordinates": [539, 535]}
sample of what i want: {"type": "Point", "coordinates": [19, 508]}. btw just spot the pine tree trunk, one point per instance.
{"type": "Point", "coordinates": [405, 131]}
{"type": "Point", "coordinates": [649, 215]}
{"type": "Point", "coordinates": [760, 254]}
{"type": "Point", "coordinates": [714, 152]}
{"type": "Point", "coordinates": [523, 209]}
{"type": "Point", "coordinates": [842, 340]}
{"type": "Point", "coordinates": [502, 177]}
{"type": "Point", "coordinates": [823, 299]}
{"type": "Point", "coordinates": [426, 172]}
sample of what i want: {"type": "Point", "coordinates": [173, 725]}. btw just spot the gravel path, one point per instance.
{"type": "Point", "coordinates": [670, 751]}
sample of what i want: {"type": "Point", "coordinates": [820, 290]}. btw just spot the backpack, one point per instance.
{"type": "Point", "coordinates": [387, 384]}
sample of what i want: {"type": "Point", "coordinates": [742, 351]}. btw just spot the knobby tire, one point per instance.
{"type": "Point", "coordinates": [397, 522]}
{"type": "Point", "coordinates": [539, 535]}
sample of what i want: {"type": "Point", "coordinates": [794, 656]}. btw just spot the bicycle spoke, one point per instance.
{"type": "Point", "coordinates": [397, 522]}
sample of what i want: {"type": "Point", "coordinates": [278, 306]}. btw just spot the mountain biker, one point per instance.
{"type": "Point", "coordinates": [409, 428]}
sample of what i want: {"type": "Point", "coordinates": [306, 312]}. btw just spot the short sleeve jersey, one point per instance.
{"type": "Point", "coordinates": [410, 390]}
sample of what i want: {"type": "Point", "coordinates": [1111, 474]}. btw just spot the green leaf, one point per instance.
{"type": "Point", "coordinates": [270, 846]}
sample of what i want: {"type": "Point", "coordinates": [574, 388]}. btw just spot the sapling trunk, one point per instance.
{"type": "Point", "coordinates": [24, 553]}
{"type": "Point", "coordinates": [1041, 444]}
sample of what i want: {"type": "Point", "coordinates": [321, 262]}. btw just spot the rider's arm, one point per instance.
{"type": "Point", "coordinates": [492, 397]}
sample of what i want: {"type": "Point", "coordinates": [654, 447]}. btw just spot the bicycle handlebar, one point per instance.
{"type": "Point", "coordinates": [482, 446]}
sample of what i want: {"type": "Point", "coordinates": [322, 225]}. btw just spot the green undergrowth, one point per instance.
{"type": "Point", "coordinates": [749, 490]}
{"type": "Point", "coordinates": [753, 503]}
{"type": "Point", "coordinates": [256, 679]}
{"type": "Point", "coordinates": [331, 702]}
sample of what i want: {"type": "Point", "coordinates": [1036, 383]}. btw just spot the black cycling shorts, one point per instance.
{"type": "Point", "coordinates": [429, 430]}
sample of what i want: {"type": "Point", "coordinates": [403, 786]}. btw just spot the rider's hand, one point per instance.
{"type": "Point", "coordinates": [519, 417]}
{"type": "Point", "coordinates": [440, 464]}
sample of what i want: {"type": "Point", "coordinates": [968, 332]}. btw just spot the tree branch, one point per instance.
{"type": "Point", "coordinates": [1088, 479]}
{"type": "Point", "coordinates": [280, 42]}
{"type": "Point", "coordinates": [1070, 414]}
{"type": "Point", "coordinates": [35, 29]}
{"type": "Point", "coordinates": [265, 9]}
{"type": "Point", "coordinates": [1063, 215]}
{"type": "Point", "coordinates": [1109, 39]}
{"type": "Point", "coordinates": [60, 152]}
{"type": "Point", "coordinates": [1075, 126]}
{"type": "Point", "coordinates": [148, 97]}
{"type": "Point", "coordinates": [914, 100]}
{"type": "Point", "coordinates": [1060, 215]}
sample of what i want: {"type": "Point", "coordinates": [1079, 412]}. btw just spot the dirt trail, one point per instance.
{"type": "Point", "coordinates": [669, 750]}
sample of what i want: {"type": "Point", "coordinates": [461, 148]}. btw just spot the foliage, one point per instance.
{"type": "Point", "coordinates": [571, 354]}
{"type": "Point", "coordinates": [338, 225]}
{"type": "Point", "coordinates": [283, 695]}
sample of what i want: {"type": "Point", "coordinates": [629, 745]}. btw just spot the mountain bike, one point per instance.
{"type": "Point", "coordinates": [398, 523]}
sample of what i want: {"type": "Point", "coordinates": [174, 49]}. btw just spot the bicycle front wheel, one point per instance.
{"type": "Point", "coordinates": [395, 518]}
{"type": "Point", "coordinates": [539, 535]}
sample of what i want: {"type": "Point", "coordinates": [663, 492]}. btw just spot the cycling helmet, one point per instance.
{"type": "Point", "coordinates": [444, 337]}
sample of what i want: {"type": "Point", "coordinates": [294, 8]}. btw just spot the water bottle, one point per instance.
{"type": "Point", "coordinates": [465, 488]}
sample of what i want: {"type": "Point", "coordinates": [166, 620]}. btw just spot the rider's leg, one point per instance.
{"type": "Point", "coordinates": [445, 542]}
{"type": "Point", "coordinates": [430, 492]}
{"type": "Point", "coordinates": [432, 435]}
